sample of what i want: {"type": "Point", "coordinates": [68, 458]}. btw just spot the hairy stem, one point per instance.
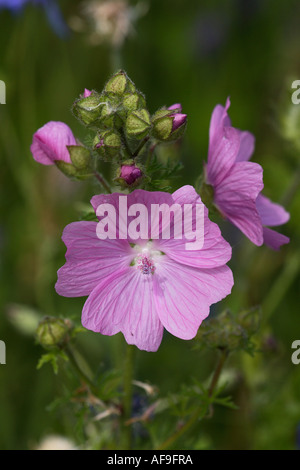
{"type": "Point", "coordinates": [201, 411]}
{"type": "Point", "coordinates": [102, 181]}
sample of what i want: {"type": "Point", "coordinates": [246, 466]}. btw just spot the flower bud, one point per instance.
{"type": "Point", "coordinates": [129, 174]}
{"type": "Point", "coordinates": [80, 157]}
{"type": "Point", "coordinates": [169, 124]}
{"type": "Point", "coordinates": [86, 93]}
{"type": "Point", "coordinates": [88, 109]}
{"type": "Point", "coordinates": [53, 332]}
{"type": "Point", "coordinates": [108, 144]}
{"type": "Point", "coordinates": [176, 108]}
{"type": "Point", "coordinates": [49, 143]}
{"type": "Point", "coordinates": [133, 101]}
{"type": "Point", "coordinates": [138, 124]}
{"type": "Point", "coordinates": [117, 83]}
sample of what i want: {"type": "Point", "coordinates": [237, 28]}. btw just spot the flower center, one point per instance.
{"type": "Point", "coordinates": [146, 259]}
{"type": "Point", "coordinates": [144, 263]}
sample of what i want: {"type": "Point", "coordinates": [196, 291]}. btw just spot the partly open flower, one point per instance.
{"type": "Point", "coordinates": [141, 285]}
{"type": "Point", "coordinates": [49, 143]}
{"type": "Point", "coordinates": [237, 182]}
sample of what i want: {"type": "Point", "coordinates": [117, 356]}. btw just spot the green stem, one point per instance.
{"type": "Point", "coordinates": [200, 412]}
{"type": "Point", "coordinates": [79, 371]}
{"type": "Point", "coordinates": [127, 400]}
{"type": "Point", "coordinates": [141, 145]}
{"type": "Point", "coordinates": [124, 140]}
{"type": "Point", "coordinates": [102, 181]}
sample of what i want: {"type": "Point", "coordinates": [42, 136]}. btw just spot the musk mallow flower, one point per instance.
{"type": "Point", "coordinates": [141, 285]}
{"type": "Point", "coordinates": [49, 143]}
{"type": "Point", "coordinates": [236, 182]}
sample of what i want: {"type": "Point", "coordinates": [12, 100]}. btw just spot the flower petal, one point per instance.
{"type": "Point", "coordinates": [236, 196]}
{"type": "Point", "coordinates": [247, 144]}
{"type": "Point", "coordinates": [89, 259]}
{"type": "Point", "coordinates": [124, 302]}
{"type": "Point", "coordinates": [222, 154]}
{"type": "Point", "coordinates": [215, 250]}
{"type": "Point", "coordinates": [183, 295]}
{"type": "Point", "coordinates": [219, 119]}
{"type": "Point", "coordinates": [271, 214]}
{"type": "Point", "coordinates": [274, 239]}
{"type": "Point", "coordinates": [50, 142]}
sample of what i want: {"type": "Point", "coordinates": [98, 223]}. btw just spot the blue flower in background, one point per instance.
{"type": "Point", "coordinates": [51, 8]}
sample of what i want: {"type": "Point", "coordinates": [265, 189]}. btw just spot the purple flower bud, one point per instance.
{"type": "Point", "coordinates": [178, 121]}
{"type": "Point", "coordinates": [86, 93]}
{"type": "Point", "coordinates": [176, 107]}
{"type": "Point", "coordinates": [130, 173]}
{"type": "Point", "coordinates": [49, 143]}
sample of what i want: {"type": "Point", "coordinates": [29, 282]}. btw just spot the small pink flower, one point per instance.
{"type": "Point", "coordinates": [139, 287]}
{"type": "Point", "coordinates": [237, 182]}
{"type": "Point", "coordinates": [49, 143]}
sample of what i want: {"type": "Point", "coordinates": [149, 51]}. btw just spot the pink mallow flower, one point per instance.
{"type": "Point", "coordinates": [236, 182]}
{"type": "Point", "coordinates": [49, 143]}
{"type": "Point", "coordinates": [141, 286]}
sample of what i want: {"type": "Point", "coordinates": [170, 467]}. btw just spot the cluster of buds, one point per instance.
{"type": "Point", "coordinates": [124, 132]}
{"type": "Point", "coordinates": [124, 125]}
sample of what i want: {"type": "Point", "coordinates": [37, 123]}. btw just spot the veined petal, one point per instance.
{"type": "Point", "coordinates": [124, 302]}
{"type": "Point", "coordinates": [247, 145]}
{"type": "Point", "coordinates": [89, 259]}
{"type": "Point", "coordinates": [183, 295]}
{"type": "Point", "coordinates": [274, 239]}
{"type": "Point", "coordinates": [271, 214]}
{"type": "Point", "coordinates": [215, 250]}
{"type": "Point", "coordinates": [236, 197]}
{"type": "Point", "coordinates": [222, 155]}
{"type": "Point", "coordinates": [219, 119]}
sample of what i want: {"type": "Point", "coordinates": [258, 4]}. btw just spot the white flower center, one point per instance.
{"type": "Point", "coordinates": [146, 259]}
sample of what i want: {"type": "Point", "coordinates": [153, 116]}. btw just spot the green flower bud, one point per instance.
{"type": "Point", "coordinates": [88, 109]}
{"type": "Point", "coordinates": [133, 101]}
{"type": "Point", "coordinates": [80, 157]}
{"type": "Point", "coordinates": [53, 332]}
{"type": "Point", "coordinates": [108, 144]}
{"type": "Point", "coordinates": [168, 124]}
{"type": "Point", "coordinates": [138, 124]}
{"type": "Point", "coordinates": [117, 83]}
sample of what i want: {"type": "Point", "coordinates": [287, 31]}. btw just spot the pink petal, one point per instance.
{"type": "Point", "coordinates": [215, 251]}
{"type": "Point", "coordinates": [219, 119]}
{"type": "Point", "coordinates": [139, 196]}
{"type": "Point", "coordinates": [222, 154]}
{"type": "Point", "coordinates": [236, 197]}
{"type": "Point", "coordinates": [50, 143]}
{"type": "Point", "coordinates": [89, 259]}
{"type": "Point", "coordinates": [124, 302]}
{"type": "Point", "coordinates": [184, 294]}
{"type": "Point", "coordinates": [86, 93]}
{"type": "Point", "coordinates": [271, 214]}
{"type": "Point", "coordinates": [247, 144]}
{"type": "Point", "coordinates": [274, 239]}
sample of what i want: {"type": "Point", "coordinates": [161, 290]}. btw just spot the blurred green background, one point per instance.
{"type": "Point", "coordinates": [196, 53]}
